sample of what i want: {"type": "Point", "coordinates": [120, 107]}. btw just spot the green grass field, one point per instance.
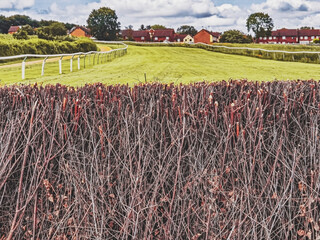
{"type": "Point", "coordinates": [166, 64]}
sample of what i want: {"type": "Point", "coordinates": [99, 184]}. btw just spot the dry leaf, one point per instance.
{"type": "Point", "coordinates": [50, 198]}
{"type": "Point", "coordinates": [309, 234]}
{"type": "Point", "coordinates": [316, 227]}
{"type": "Point", "coordinates": [274, 196]}
{"type": "Point", "coordinates": [112, 195]}
{"type": "Point", "coordinates": [301, 233]}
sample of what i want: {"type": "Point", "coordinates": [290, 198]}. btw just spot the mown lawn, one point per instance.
{"type": "Point", "coordinates": [167, 64]}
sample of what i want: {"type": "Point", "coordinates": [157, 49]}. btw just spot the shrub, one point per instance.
{"type": "Point", "coordinates": [41, 46]}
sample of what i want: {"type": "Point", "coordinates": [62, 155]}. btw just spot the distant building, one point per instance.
{"type": "Point", "coordinates": [14, 29]}
{"type": "Point", "coordinates": [148, 35]}
{"type": "Point", "coordinates": [291, 36]}
{"type": "Point", "coordinates": [163, 35]}
{"type": "Point", "coordinates": [179, 37]}
{"type": "Point", "coordinates": [80, 31]}
{"type": "Point", "coordinates": [204, 36]}
{"type": "Point", "coordinates": [188, 39]}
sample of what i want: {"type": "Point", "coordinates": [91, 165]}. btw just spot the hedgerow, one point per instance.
{"type": "Point", "coordinates": [227, 160]}
{"type": "Point", "coordinates": [39, 46]}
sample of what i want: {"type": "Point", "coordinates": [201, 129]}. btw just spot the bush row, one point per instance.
{"type": "Point", "coordinates": [39, 46]}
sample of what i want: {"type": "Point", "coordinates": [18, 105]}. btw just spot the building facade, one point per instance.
{"type": "Point", "coordinates": [291, 36]}
{"type": "Point", "coordinates": [80, 31]}
{"type": "Point", "coordinates": [204, 36]}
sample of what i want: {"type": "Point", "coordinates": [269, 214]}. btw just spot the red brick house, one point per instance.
{"type": "Point", "coordinates": [291, 36]}
{"type": "Point", "coordinates": [308, 35]}
{"type": "Point", "coordinates": [80, 31]}
{"type": "Point", "coordinates": [205, 36]}
{"type": "Point", "coordinates": [179, 37]}
{"type": "Point", "coordinates": [148, 35]}
{"type": "Point", "coordinates": [141, 36]}
{"type": "Point", "coordinates": [13, 29]}
{"type": "Point", "coordinates": [163, 35]}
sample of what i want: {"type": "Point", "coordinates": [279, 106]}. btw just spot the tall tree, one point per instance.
{"type": "Point", "coordinates": [158, 26]}
{"type": "Point", "coordinates": [186, 29]}
{"type": "Point", "coordinates": [104, 24]}
{"type": "Point", "coordinates": [235, 36]}
{"type": "Point", "coordinates": [142, 27]}
{"type": "Point", "coordinates": [260, 23]}
{"type": "Point", "coordinates": [4, 24]}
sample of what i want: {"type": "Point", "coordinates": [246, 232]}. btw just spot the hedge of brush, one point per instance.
{"type": "Point", "coordinates": [40, 46]}
{"type": "Point", "coordinates": [227, 160]}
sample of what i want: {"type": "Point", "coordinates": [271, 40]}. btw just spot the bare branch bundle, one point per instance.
{"type": "Point", "coordinates": [227, 160]}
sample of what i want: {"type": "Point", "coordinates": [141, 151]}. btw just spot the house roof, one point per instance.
{"type": "Point", "coordinates": [309, 32]}
{"type": "Point", "coordinates": [285, 32]}
{"type": "Point", "coordinates": [214, 34]}
{"type": "Point", "coordinates": [14, 28]}
{"type": "Point", "coordinates": [180, 36]}
{"type": "Point", "coordinates": [86, 30]}
{"type": "Point", "coordinates": [163, 32]}
{"type": "Point", "coordinates": [127, 32]}
{"type": "Point", "coordinates": [140, 33]}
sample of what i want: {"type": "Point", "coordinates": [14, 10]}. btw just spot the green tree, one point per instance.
{"type": "Point", "coordinates": [4, 24]}
{"type": "Point", "coordinates": [21, 34]}
{"type": "Point", "coordinates": [158, 27]}
{"type": "Point", "coordinates": [186, 29]}
{"type": "Point", "coordinates": [104, 24]}
{"type": "Point", "coordinates": [28, 29]}
{"type": "Point", "coordinates": [57, 29]}
{"type": "Point", "coordinates": [142, 27]}
{"type": "Point", "coordinates": [260, 23]}
{"type": "Point", "coordinates": [235, 36]}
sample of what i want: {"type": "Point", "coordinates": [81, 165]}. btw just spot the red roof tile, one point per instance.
{"type": "Point", "coordinates": [14, 28]}
{"type": "Point", "coordinates": [163, 32]}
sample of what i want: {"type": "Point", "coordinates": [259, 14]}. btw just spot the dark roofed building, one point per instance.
{"type": "Point", "coordinates": [13, 29]}
{"type": "Point", "coordinates": [205, 36]}
{"type": "Point", "coordinates": [80, 31]}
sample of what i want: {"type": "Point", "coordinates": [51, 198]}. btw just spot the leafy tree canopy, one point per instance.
{"type": "Point", "coordinates": [260, 23]}
{"type": "Point", "coordinates": [104, 24]}
{"type": "Point", "coordinates": [158, 27]}
{"type": "Point", "coordinates": [235, 36]}
{"type": "Point", "coordinates": [186, 29]}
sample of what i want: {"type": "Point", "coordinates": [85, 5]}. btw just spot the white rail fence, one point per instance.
{"type": "Point", "coordinates": [314, 56]}
{"type": "Point", "coordinates": [101, 56]}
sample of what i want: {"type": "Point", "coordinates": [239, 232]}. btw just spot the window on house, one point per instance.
{"type": "Point", "coordinates": [274, 38]}
{"type": "Point", "coordinates": [292, 37]}
{"type": "Point", "coordinates": [284, 37]}
{"type": "Point", "coordinates": [167, 38]}
{"type": "Point", "coordinates": [306, 37]}
{"type": "Point", "coordinates": [270, 38]}
{"type": "Point", "coordinates": [179, 40]}
{"type": "Point", "coordinates": [142, 38]}
{"type": "Point", "coordinates": [156, 38]}
{"type": "Point", "coordinates": [265, 38]}
{"type": "Point", "coordinates": [260, 38]}
{"type": "Point", "coordinates": [301, 37]}
{"type": "Point", "coordinates": [312, 37]}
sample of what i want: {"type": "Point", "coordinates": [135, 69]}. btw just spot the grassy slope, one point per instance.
{"type": "Point", "coordinates": [167, 64]}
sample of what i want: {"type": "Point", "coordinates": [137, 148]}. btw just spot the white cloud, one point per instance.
{"type": "Point", "coordinates": [290, 13]}
{"type": "Point", "coordinates": [17, 4]}
{"type": "Point", "coordinates": [174, 13]}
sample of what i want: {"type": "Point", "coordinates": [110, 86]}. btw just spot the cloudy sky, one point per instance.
{"type": "Point", "coordinates": [216, 15]}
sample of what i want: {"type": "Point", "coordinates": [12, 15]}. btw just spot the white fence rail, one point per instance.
{"type": "Point", "coordinates": [294, 56]}
{"type": "Point", "coordinates": [107, 56]}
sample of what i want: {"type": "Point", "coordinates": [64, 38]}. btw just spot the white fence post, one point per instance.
{"type": "Point", "coordinates": [24, 68]}
{"type": "Point", "coordinates": [79, 62]}
{"type": "Point", "coordinates": [43, 65]}
{"type": "Point", "coordinates": [71, 63]}
{"type": "Point", "coordinates": [60, 65]}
